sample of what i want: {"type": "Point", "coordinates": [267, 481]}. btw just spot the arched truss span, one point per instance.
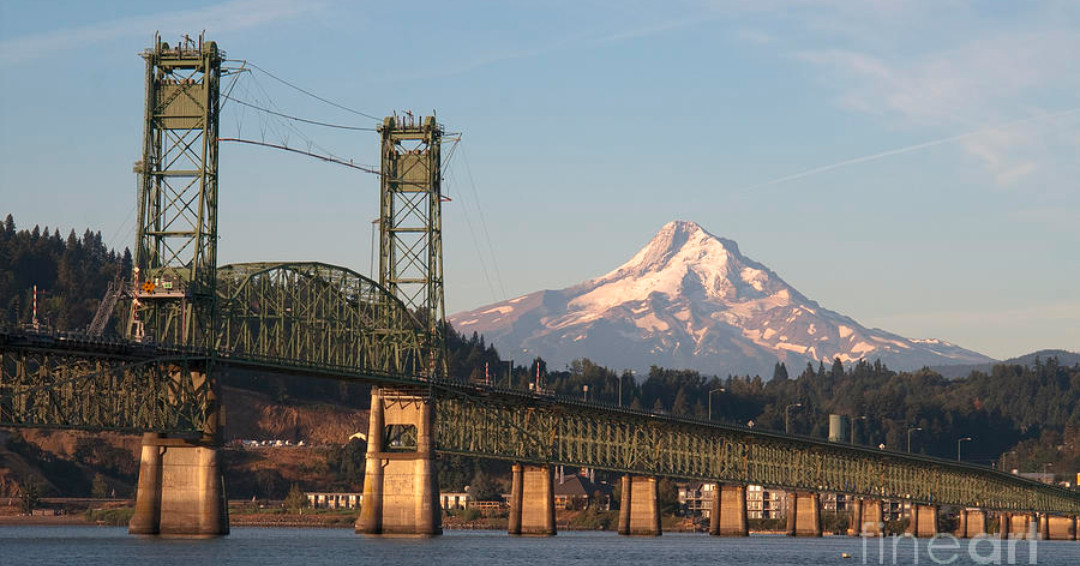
{"type": "Point", "coordinates": [315, 314]}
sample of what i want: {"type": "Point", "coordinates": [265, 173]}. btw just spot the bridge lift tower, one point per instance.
{"type": "Point", "coordinates": [410, 225]}
{"type": "Point", "coordinates": [173, 298]}
{"type": "Point", "coordinates": [401, 487]}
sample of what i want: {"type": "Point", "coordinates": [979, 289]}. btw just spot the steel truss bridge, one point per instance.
{"type": "Point", "coordinates": [186, 317]}
{"type": "Point", "coordinates": [92, 384]}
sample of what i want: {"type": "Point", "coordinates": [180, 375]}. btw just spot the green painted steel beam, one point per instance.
{"type": "Point", "coordinates": [502, 424]}
{"type": "Point", "coordinates": [524, 428]}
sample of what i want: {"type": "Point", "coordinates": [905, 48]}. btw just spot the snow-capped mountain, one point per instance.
{"type": "Point", "coordinates": [689, 299]}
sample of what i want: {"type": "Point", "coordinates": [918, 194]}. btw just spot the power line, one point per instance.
{"type": "Point", "coordinates": [297, 118]}
{"type": "Point", "coordinates": [281, 128]}
{"type": "Point", "coordinates": [483, 223]}
{"type": "Point", "coordinates": [309, 93]}
{"type": "Point", "coordinates": [326, 158]}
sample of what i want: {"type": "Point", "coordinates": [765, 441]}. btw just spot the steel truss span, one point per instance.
{"type": "Point", "coordinates": [524, 428]}
{"type": "Point", "coordinates": [314, 314]}
{"type": "Point", "coordinates": [65, 382]}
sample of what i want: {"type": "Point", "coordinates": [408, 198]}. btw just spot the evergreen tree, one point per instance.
{"type": "Point", "coordinates": [680, 407]}
{"type": "Point", "coordinates": [837, 369]}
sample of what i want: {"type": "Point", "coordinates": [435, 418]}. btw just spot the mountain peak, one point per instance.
{"type": "Point", "coordinates": [691, 299]}
{"type": "Point", "coordinates": [678, 238]}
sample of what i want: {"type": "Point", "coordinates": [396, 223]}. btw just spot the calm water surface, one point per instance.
{"type": "Point", "coordinates": [93, 546]}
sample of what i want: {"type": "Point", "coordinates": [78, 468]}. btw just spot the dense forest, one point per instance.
{"type": "Point", "coordinates": [1018, 416]}
{"type": "Point", "coordinates": [71, 275]}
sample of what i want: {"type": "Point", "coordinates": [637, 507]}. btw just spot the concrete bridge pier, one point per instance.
{"type": "Point", "coordinates": [181, 490]}
{"type": "Point", "coordinates": [1058, 528]}
{"type": "Point", "coordinates": [1020, 526]}
{"type": "Point", "coordinates": [728, 514]}
{"type": "Point", "coordinates": [972, 523]}
{"type": "Point", "coordinates": [866, 518]}
{"type": "Point", "coordinates": [532, 501]}
{"type": "Point", "coordinates": [639, 506]}
{"type": "Point", "coordinates": [1004, 524]}
{"type": "Point", "coordinates": [923, 523]}
{"type": "Point", "coordinates": [401, 490]}
{"type": "Point", "coordinates": [804, 514]}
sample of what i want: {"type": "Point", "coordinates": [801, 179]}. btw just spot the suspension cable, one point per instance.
{"type": "Point", "coordinates": [309, 93]}
{"type": "Point", "coordinates": [329, 159]}
{"type": "Point", "coordinates": [297, 118]}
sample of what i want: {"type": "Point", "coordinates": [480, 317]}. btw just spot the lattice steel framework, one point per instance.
{"type": "Point", "coordinates": [57, 382]}
{"type": "Point", "coordinates": [176, 240]}
{"type": "Point", "coordinates": [410, 222]}
{"type": "Point", "coordinates": [522, 428]}
{"type": "Point", "coordinates": [317, 315]}
{"type": "Point", "coordinates": [96, 385]}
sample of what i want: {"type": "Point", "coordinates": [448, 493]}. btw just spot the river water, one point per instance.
{"type": "Point", "coordinates": [93, 546]}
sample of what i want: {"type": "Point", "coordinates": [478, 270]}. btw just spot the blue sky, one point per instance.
{"type": "Point", "coordinates": [953, 209]}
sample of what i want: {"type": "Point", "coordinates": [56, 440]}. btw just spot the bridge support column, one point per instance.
{"type": "Point", "coordinates": [1059, 528]}
{"type": "Point", "coordinates": [180, 490]}
{"type": "Point", "coordinates": [639, 513]}
{"type": "Point", "coordinates": [972, 523]}
{"type": "Point", "coordinates": [804, 514]}
{"type": "Point", "coordinates": [1004, 524]}
{"type": "Point", "coordinates": [1020, 526]}
{"type": "Point", "coordinates": [728, 514]}
{"type": "Point", "coordinates": [866, 518]}
{"type": "Point", "coordinates": [401, 491]}
{"type": "Point", "coordinates": [516, 476]}
{"type": "Point", "coordinates": [532, 501]}
{"type": "Point", "coordinates": [923, 522]}
{"type": "Point", "coordinates": [1044, 527]}
{"type": "Point", "coordinates": [855, 523]}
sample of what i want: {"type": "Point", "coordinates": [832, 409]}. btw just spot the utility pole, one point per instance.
{"type": "Point", "coordinates": [855, 419]}
{"type": "Point", "coordinates": [787, 416]}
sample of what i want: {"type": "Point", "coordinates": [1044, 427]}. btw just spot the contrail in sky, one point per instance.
{"type": "Point", "coordinates": [908, 149]}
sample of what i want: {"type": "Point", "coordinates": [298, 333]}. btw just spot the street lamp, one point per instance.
{"type": "Point", "coordinates": [909, 431]}
{"type": "Point", "coordinates": [787, 416]}
{"type": "Point", "coordinates": [958, 441]}
{"type": "Point", "coordinates": [1005, 461]}
{"type": "Point", "coordinates": [720, 389]}
{"type": "Point", "coordinates": [585, 392]}
{"type": "Point", "coordinates": [853, 421]}
{"type": "Point", "coordinates": [1045, 464]}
